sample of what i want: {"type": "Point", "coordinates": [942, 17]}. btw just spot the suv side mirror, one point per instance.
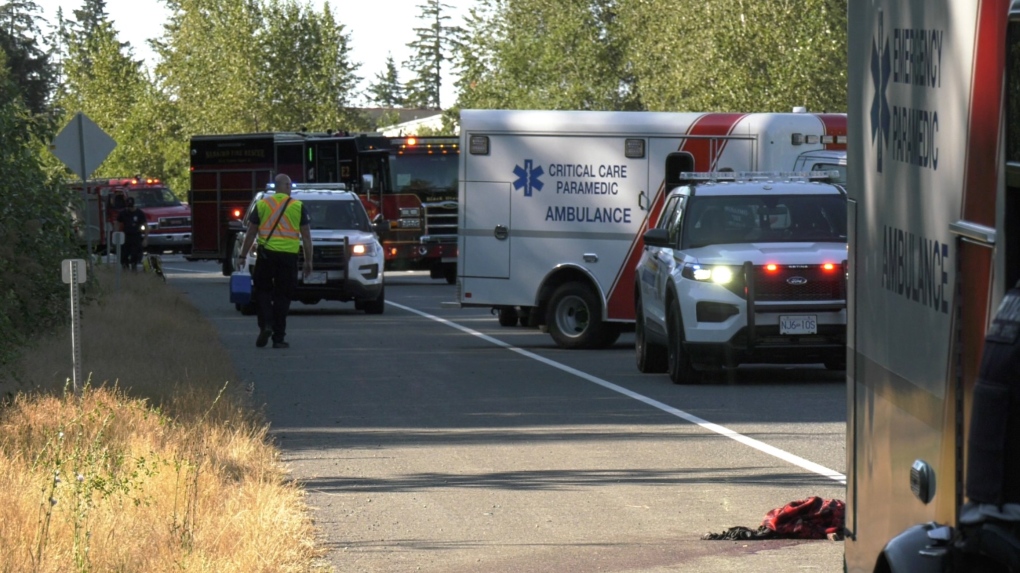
{"type": "Point", "coordinates": [656, 238]}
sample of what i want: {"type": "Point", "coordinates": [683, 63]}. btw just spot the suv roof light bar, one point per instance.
{"type": "Point", "coordinates": [760, 175]}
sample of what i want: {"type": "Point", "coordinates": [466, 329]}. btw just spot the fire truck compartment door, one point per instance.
{"type": "Point", "coordinates": [486, 230]}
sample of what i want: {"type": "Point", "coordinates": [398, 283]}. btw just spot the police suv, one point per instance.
{"type": "Point", "coordinates": [347, 258]}
{"type": "Point", "coordinates": [743, 268]}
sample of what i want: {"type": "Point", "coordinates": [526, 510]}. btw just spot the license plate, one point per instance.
{"type": "Point", "coordinates": [316, 278]}
{"type": "Point", "coordinates": [802, 324]}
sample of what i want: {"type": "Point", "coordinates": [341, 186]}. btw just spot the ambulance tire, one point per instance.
{"type": "Point", "coordinates": [507, 316]}
{"type": "Point", "coordinates": [574, 318]}
{"type": "Point", "coordinates": [678, 361]}
{"type": "Point", "coordinates": [651, 358]}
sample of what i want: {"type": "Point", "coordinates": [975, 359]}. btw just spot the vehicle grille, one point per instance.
{"type": "Point", "coordinates": [333, 256]}
{"type": "Point", "coordinates": [819, 284]}
{"type": "Point", "coordinates": [440, 219]}
{"type": "Point", "coordinates": [165, 222]}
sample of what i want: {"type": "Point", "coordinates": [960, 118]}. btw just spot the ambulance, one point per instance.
{"type": "Point", "coordinates": [933, 210]}
{"type": "Point", "coordinates": [554, 203]}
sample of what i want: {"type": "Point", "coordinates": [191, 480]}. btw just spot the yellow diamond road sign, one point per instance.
{"type": "Point", "coordinates": [82, 145]}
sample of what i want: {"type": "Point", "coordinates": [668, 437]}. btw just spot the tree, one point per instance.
{"type": "Point", "coordinates": [545, 54]}
{"type": "Point", "coordinates": [307, 61]}
{"type": "Point", "coordinates": [736, 55]}
{"type": "Point", "coordinates": [35, 229]}
{"type": "Point", "coordinates": [29, 65]}
{"type": "Point", "coordinates": [387, 90]}
{"type": "Point", "coordinates": [431, 48]}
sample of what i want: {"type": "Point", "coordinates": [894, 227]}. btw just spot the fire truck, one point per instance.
{"type": "Point", "coordinates": [168, 219]}
{"type": "Point", "coordinates": [408, 186]}
{"type": "Point", "coordinates": [554, 203]}
{"type": "Point", "coordinates": [934, 246]}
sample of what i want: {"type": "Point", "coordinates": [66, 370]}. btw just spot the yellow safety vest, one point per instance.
{"type": "Point", "coordinates": [287, 236]}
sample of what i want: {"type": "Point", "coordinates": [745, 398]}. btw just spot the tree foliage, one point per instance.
{"type": "Point", "coordinates": [35, 230]}
{"type": "Point", "coordinates": [544, 54]}
{"type": "Point", "coordinates": [668, 55]}
{"type": "Point", "coordinates": [386, 90]}
{"type": "Point", "coordinates": [433, 46]}
{"type": "Point", "coordinates": [28, 62]}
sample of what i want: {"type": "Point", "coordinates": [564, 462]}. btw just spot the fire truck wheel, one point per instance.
{"type": "Point", "coordinates": [450, 274]}
{"type": "Point", "coordinates": [507, 316]}
{"type": "Point", "coordinates": [651, 358]}
{"type": "Point", "coordinates": [678, 361]}
{"type": "Point", "coordinates": [574, 317]}
{"type": "Point", "coordinates": [247, 309]}
{"type": "Point", "coordinates": [376, 306]}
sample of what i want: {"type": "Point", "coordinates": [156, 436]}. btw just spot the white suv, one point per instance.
{"type": "Point", "coordinates": [744, 268]}
{"type": "Point", "coordinates": [347, 258]}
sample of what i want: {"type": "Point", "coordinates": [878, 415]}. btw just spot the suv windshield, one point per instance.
{"type": "Point", "coordinates": [413, 172]}
{"type": "Point", "coordinates": [764, 218]}
{"type": "Point", "coordinates": [156, 198]}
{"type": "Point", "coordinates": [337, 215]}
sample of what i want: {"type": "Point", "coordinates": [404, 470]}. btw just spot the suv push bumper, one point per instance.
{"type": "Point", "coordinates": [768, 346]}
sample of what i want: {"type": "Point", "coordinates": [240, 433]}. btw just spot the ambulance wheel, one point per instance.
{"type": "Point", "coordinates": [376, 306]}
{"type": "Point", "coordinates": [574, 318]}
{"type": "Point", "coordinates": [678, 361]}
{"type": "Point", "coordinates": [507, 316]}
{"type": "Point", "coordinates": [651, 358]}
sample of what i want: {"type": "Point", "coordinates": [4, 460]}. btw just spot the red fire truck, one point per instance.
{"type": "Point", "coordinates": [168, 219]}
{"type": "Point", "coordinates": [408, 186]}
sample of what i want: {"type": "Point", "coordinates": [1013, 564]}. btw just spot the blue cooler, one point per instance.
{"type": "Point", "coordinates": [240, 288]}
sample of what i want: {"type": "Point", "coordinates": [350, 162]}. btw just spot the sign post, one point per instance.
{"type": "Point", "coordinates": [72, 272]}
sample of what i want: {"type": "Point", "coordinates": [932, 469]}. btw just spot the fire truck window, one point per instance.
{"type": "Point", "coordinates": [117, 201]}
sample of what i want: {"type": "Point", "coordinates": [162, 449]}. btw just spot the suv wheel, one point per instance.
{"type": "Point", "coordinates": [651, 358]}
{"type": "Point", "coordinates": [679, 366]}
{"type": "Point", "coordinates": [574, 317]}
{"type": "Point", "coordinates": [376, 306]}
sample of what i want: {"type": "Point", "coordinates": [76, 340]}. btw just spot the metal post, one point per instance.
{"type": "Point", "coordinates": [84, 186]}
{"type": "Point", "coordinates": [76, 332]}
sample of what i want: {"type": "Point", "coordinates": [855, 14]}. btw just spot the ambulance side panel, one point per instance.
{"type": "Point", "coordinates": [921, 157]}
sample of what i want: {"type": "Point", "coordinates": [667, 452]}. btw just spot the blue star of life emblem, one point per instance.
{"type": "Point", "coordinates": [880, 71]}
{"type": "Point", "coordinates": [528, 177]}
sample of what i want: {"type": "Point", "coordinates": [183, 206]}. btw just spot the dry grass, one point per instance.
{"type": "Point", "coordinates": [158, 468]}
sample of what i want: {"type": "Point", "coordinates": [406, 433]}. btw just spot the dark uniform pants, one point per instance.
{"type": "Point", "coordinates": [274, 280]}
{"type": "Point", "coordinates": [131, 250]}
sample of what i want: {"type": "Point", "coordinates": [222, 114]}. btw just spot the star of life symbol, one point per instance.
{"type": "Point", "coordinates": [880, 72]}
{"type": "Point", "coordinates": [528, 177]}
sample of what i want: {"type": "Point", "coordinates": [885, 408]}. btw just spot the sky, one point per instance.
{"type": "Point", "coordinates": [376, 29]}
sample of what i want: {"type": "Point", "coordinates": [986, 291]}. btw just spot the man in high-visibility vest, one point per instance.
{"type": "Point", "coordinates": [282, 227]}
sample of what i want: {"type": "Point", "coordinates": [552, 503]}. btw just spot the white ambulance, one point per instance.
{"type": "Point", "coordinates": [554, 203]}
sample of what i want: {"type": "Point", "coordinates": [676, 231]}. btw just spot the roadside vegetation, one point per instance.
{"type": "Point", "coordinates": [163, 465]}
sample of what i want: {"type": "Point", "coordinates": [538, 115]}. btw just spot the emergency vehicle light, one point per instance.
{"type": "Point", "coordinates": [771, 267]}
{"type": "Point", "coordinates": [758, 175]}
{"type": "Point", "coordinates": [412, 141]}
{"type": "Point", "coordinates": [829, 267]}
{"type": "Point", "coordinates": [479, 145]}
{"type": "Point", "coordinates": [634, 148]}
{"type": "Point", "coordinates": [237, 213]}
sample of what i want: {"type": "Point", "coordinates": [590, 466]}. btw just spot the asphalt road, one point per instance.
{"type": "Point", "coordinates": [432, 439]}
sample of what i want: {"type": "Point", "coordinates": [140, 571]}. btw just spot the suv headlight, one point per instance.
{"type": "Point", "coordinates": [364, 249]}
{"type": "Point", "coordinates": [718, 274]}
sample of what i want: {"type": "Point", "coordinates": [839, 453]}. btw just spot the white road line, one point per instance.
{"type": "Point", "coordinates": [721, 430]}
